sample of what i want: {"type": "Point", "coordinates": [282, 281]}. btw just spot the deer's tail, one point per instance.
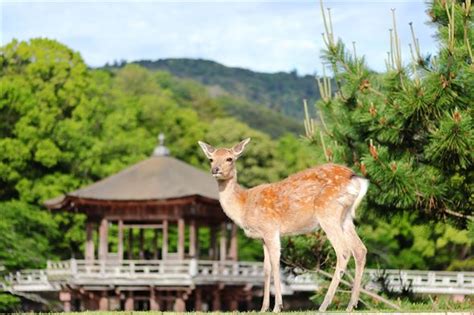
{"type": "Point", "coordinates": [363, 186]}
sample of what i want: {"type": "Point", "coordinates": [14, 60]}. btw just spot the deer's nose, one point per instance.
{"type": "Point", "coordinates": [215, 170]}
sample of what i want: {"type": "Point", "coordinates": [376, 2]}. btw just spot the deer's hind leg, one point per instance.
{"type": "Point", "coordinates": [359, 251]}
{"type": "Point", "coordinates": [336, 236]}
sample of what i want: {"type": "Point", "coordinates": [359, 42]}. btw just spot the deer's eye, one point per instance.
{"type": "Point", "coordinates": [211, 160]}
{"type": "Point", "coordinates": [229, 160]}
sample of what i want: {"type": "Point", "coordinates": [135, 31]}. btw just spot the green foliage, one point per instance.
{"type": "Point", "coordinates": [249, 248]}
{"type": "Point", "coordinates": [282, 92]}
{"type": "Point", "coordinates": [405, 242]}
{"type": "Point", "coordinates": [42, 82]}
{"type": "Point", "coordinates": [462, 265]}
{"type": "Point", "coordinates": [9, 303]}
{"type": "Point", "coordinates": [452, 142]}
{"type": "Point", "coordinates": [213, 101]}
{"type": "Point", "coordinates": [26, 232]}
{"type": "Point", "coordinates": [297, 154]}
{"type": "Point", "coordinates": [259, 117]}
{"type": "Point", "coordinates": [309, 252]}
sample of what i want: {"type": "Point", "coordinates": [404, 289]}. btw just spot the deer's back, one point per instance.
{"type": "Point", "coordinates": [294, 200]}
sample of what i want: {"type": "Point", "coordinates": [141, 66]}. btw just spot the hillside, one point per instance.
{"type": "Point", "coordinates": [282, 92]}
{"type": "Point", "coordinates": [217, 98]}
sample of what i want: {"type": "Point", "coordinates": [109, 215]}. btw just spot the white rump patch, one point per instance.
{"type": "Point", "coordinates": [363, 186]}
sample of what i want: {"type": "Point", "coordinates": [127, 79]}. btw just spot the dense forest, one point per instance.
{"type": "Point", "coordinates": [281, 92]}
{"type": "Point", "coordinates": [256, 115]}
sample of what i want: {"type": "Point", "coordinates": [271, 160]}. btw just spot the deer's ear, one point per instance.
{"type": "Point", "coordinates": [207, 149]}
{"type": "Point", "coordinates": [239, 148]}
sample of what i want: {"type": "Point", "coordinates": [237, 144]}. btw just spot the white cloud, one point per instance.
{"type": "Point", "coordinates": [264, 36]}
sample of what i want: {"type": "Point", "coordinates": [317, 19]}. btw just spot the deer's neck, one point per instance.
{"type": "Point", "coordinates": [233, 198]}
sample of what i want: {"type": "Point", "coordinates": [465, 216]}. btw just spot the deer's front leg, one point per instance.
{"type": "Point", "coordinates": [267, 268]}
{"type": "Point", "coordinates": [273, 246]}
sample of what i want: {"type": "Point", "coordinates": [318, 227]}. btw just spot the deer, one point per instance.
{"type": "Point", "coordinates": [324, 196]}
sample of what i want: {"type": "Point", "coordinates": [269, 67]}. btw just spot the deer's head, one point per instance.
{"type": "Point", "coordinates": [223, 159]}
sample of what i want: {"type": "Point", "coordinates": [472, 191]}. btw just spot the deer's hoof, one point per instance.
{"type": "Point", "coordinates": [277, 308]}
{"type": "Point", "coordinates": [351, 307]}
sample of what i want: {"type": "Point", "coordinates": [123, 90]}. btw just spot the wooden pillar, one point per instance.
{"type": "Point", "coordinates": [130, 243]}
{"type": "Point", "coordinates": [212, 242]}
{"type": "Point", "coordinates": [89, 250]}
{"type": "Point", "coordinates": [179, 305]}
{"type": "Point", "coordinates": [248, 301]}
{"type": "Point", "coordinates": [181, 229]}
{"type": "Point", "coordinates": [104, 302]}
{"type": "Point", "coordinates": [223, 242]}
{"type": "Point", "coordinates": [233, 250]}
{"type": "Point", "coordinates": [142, 252]}
{"type": "Point", "coordinates": [117, 299]}
{"type": "Point", "coordinates": [164, 302]}
{"type": "Point", "coordinates": [192, 239]}
{"type": "Point", "coordinates": [92, 303]}
{"type": "Point", "coordinates": [197, 299]}
{"type": "Point", "coordinates": [216, 299]}
{"type": "Point", "coordinates": [120, 240]}
{"type": "Point", "coordinates": [154, 306]}
{"type": "Point", "coordinates": [180, 302]}
{"type": "Point", "coordinates": [129, 302]}
{"type": "Point", "coordinates": [103, 239]}
{"type": "Point", "coordinates": [164, 246]}
{"type": "Point", "coordinates": [65, 297]}
{"type": "Point", "coordinates": [155, 244]}
{"type": "Point", "coordinates": [233, 303]}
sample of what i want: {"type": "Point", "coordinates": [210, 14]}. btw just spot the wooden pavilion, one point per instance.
{"type": "Point", "coordinates": [167, 196]}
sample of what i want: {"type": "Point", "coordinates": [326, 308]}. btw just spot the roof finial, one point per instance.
{"type": "Point", "coordinates": [161, 150]}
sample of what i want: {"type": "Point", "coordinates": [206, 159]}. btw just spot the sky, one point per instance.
{"type": "Point", "coordinates": [265, 36]}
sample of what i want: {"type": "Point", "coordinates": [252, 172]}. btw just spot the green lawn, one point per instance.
{"type": "Point", "coordinates": [283, 313]}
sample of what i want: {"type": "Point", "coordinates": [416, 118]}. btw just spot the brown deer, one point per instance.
{"type": "Point", "coordinates": [325, 196]}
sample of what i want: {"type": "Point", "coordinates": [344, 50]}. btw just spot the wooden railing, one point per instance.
{"type": "Point", "coordinates": [436, 282]}
{"type": "Point", "coordinates": [129, 268]}
{"type": "Point", "coordinates": [26, 280]}
{"type": "Point", "coordinates": [202, 271]}
{"type": "Point", "coordinates": [193, 272]}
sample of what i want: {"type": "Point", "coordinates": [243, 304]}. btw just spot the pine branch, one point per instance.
{"type": "Point", "coordinates": [467, 10]}
{"type": "Point", "coordinates": [416, 44]}
{"type": "Point", "coordinates": [451, 29]}
{"type": "Point", "coordinates": [308, 122]}
{"type": "Point", "coordinates": [457, 214]}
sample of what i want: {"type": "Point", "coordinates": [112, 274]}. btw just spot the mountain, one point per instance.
{"type": "Point", "coordinates": [281, 92]}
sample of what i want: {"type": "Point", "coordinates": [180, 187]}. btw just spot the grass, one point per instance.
{"type": "Point", "coordinates": [439, 305]}
{"type": "Point", "coordinates": [283, 313]}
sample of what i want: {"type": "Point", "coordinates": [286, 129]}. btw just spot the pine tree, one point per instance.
{"type": "Point", "coordinates": [409, 129]}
